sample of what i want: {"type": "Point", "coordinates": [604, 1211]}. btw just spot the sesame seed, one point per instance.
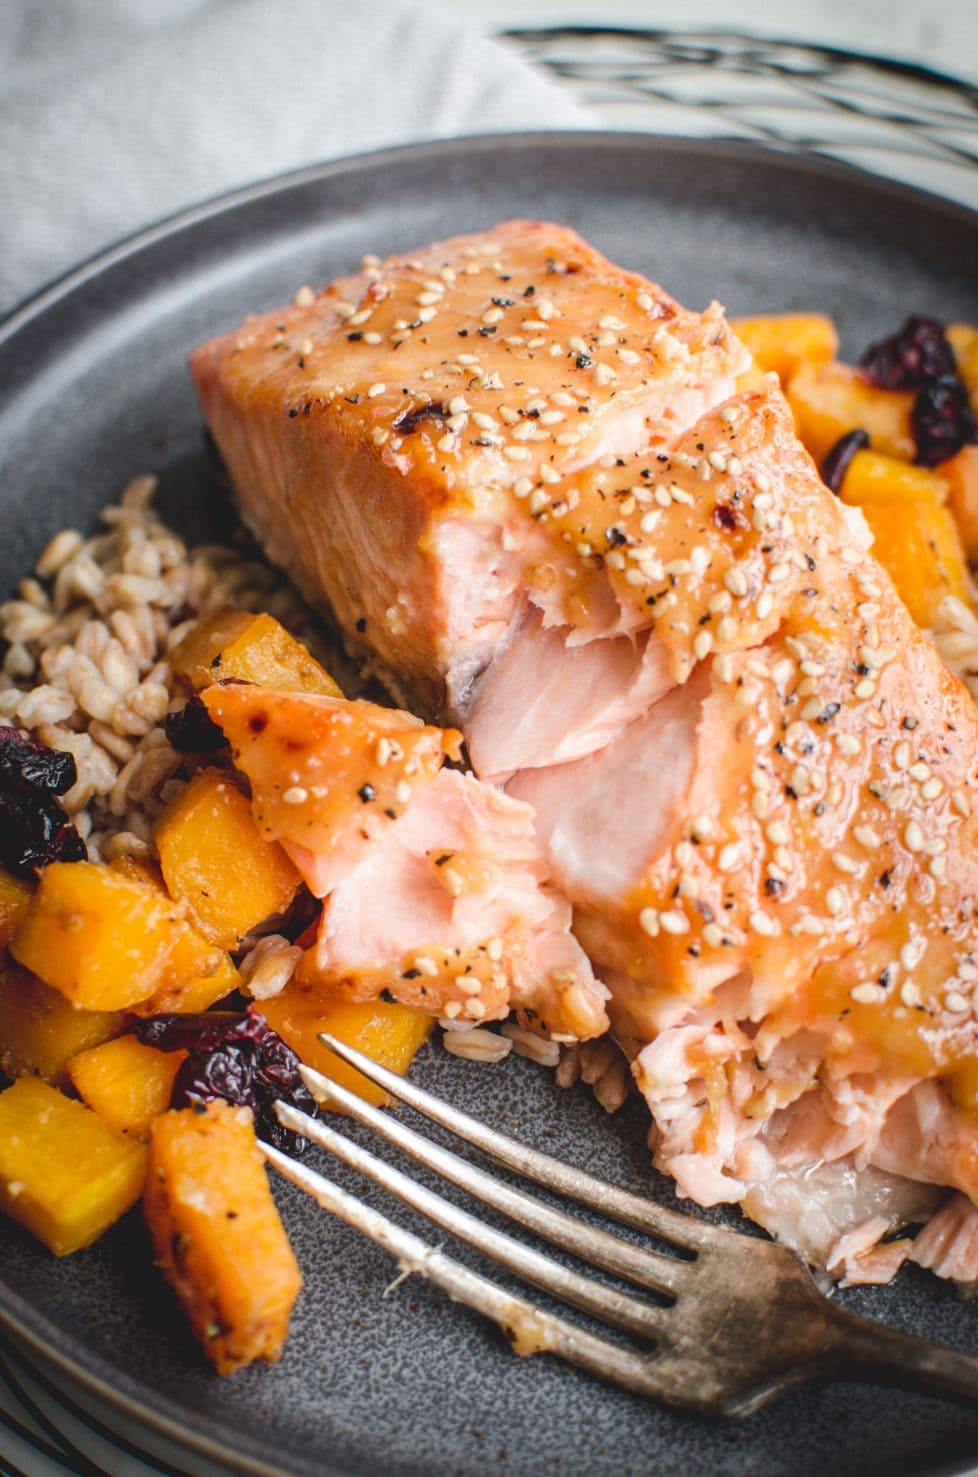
{"type": "Point", "coordinates": [447, 442]}
{"type": "Point", "coordinates": [523, 486]}
{"type": "Point", "coordinates": [425, 965]}
{"type": "Point", "coordinates": [866, 837]}
{"type": "Point", "coordinates": [728, 858]}
{"type": "Point", "coordinates": [538, 500]}
{"type": "Point", "coordinates": [629, 356]}
{"type": "Point", "coordinates": [726, 629]}
{"type": "Point", "coordinates": [567, 438]}
{"type": "Point", "coordinates": [843, 863]}
{"type": "Point", "coordinates": [931, 789]}
{"type": "Point", "coordinates": [847, 743]}
{"type": "Point", "coordinates": [955, 1001]}
{"type": "Point", "coordinates": [765, 605]}
{"type": "Point", "coordinates": [865, 688]}
{"type": "Point", "coordinates": [735, 466]}
{"type": "Point", "coordinates": [451, 1009]}
{"type": "Point", "coordinates": [494, 948]}
{"type": "Point", "coordinates": [920, 771]}
{"type": "Point", "coordinates": [937, 866]}
{"type": "Point", "coordinates": [380, 435]}
{"type": "Point", "coordinates": [649, 920]}
{"type": "Point", "coordinates": [295, 795]}
{"type": "Point", "coordinates": [835, 901]}
{"type": "Point", "coordinates": [901, 756]}
{"type": "Point", "coordinates": [644, 301]}
{"type": "Point", "coordinates": [778, 573]}
{"type": "Point", "coordinates": [912, 953]}
{"type": "Point", "coordinates": [702, 827]}
{"type": "Point", "coordinates": [402, 792]}
{"type": "Point", "coordinates": [375, 390]}
{"type": "Point", "coordinates": [717, 461]}
{"type": "Point", "coordinates": [547, 474]}
{"type": "Point", "coordinates": [762, 924]}
{"type": "Point", "coordinates": [604, 374]}
{"type": "Point", "coordinates": [516, 453]}
{"type": "Point", "coordinates": [382, 752]}
{"type": "Point", "coordinates": [909, 993]}
{"type": "Point", "coordinates": [609, 321]}
{"type": "Point", "coordinates": [967, 971]}
{"type": "Point", "coordinates": [782, 671]}
{"type": "Point", "coordinates": [778, 834]}
{"type": "Point", "coordinates": [867, 994]}
{"type": "Point", "coordinates": [808, 923]}
{"type": "Point", "coordinates": [702, 645]}
{"type": "Point", "coordinates": [913, 837]}
{"type": "Point", "coordinates": [674, 922]}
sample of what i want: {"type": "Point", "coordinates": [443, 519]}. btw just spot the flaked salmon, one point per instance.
{"type": "Point", "coordinates": [424, 871]}
{"type": "Point", "coordinates": [524, 480]}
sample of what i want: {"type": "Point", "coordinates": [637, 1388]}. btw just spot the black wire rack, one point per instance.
{"type": "Point", "coordinates": [907, 122]}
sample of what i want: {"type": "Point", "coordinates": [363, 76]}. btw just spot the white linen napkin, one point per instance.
{"type": "Point", "coordinates": [114, 113]}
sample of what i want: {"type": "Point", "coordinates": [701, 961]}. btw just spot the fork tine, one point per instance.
{"type": "Point", "coordinates": [594, 1298]}
{"type": "Point", "coordinates": [528, 1329]}
{"type": "Point", "coordinates": [647, 1268]}
{"type": "Point", "coordinates": [632, 1210]}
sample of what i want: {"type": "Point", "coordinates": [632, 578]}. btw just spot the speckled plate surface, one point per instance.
{"type": "Point", "coordinates": [93, 389]}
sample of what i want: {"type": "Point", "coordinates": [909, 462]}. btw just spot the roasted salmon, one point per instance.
{"type": "Point", "coordinates": [524, 480]}
{"type": "Point", "coordinates": [425, 871]}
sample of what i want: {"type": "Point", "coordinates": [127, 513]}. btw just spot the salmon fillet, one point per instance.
{"type": "Point", "coordinates": [424, 870]}
{"type": "Point", "coordinates": [523, 480]}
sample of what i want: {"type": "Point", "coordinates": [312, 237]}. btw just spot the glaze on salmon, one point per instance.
{"type": "Point", "coordinates": [524, 480]}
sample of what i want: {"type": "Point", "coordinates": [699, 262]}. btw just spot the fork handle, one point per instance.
{"type": "Point", "coordinates": [870, 1350]}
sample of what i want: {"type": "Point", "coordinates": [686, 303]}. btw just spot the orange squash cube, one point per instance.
{"type": "Point", "coordinates": [963, 338]}
{"type": "Point", "coordinates": [830, 400]}
{"type": "Point", "coordinates": [919, 546]}
{"type": "Point", "coordinates": [126, 1083]}
{"type": "Point", "coordinates": [40, 1030]}
{"type": "Point", "coordinates": [64, 1174]}
{"type": "Point", "coordinates": [101, 939]}
{"type": "Point", "coordinates": [215, 859]}
{"type": "Point", "coordinates": [390, 1033]}
{"type": "Point", "coordinates": [961, 475]}
{"type": "Point", "coordinates": [253, 648]}
{"type": "Point", "coordinates": [873, 479]}
{"type": "Point", "coordinates": [783, 342]}
{"type": "Point", "coordinates": [15, 897]}
{"type": "Point", "coordinates": [198, 973]}
{"type": "Point", "coordinates": [217, 1234]}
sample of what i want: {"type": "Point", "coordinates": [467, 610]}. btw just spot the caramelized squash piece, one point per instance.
{"type": "Point", "coordinates": [390, 1033]}
{"type": "Point", "coordinates": [103, 940]}
{"type": "Point", "coordinates": [873, 479]}
{"type": "Point", "coordinates": [64, 1174]}
{"type": "Point", "coordinates": [783, 342]}
{"type": "Point", "coordinates": [40, 1030]}
{"type": "Point", "coordinates": [830, 400]}
{"type": "Point", "coordinates": [198, 973]}
{"type": "Point", "coordinates": [963, 338]}
{"type": "Point", "coordinates": [215, 859]}
{"type": "Point", "coordinates": [15, 897]}
{"type": "Point", "coordinates": [217, 1234]}
{"type": "Point", "coordinates": [919, 546]}
{"type": "Point", "coordinates": [125, 1083]}
{"type": "Point", "coordinates": [252, 648]}
{"type": "Point", "coordinates": [961, 475]}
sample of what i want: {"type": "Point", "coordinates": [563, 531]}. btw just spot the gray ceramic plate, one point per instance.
{"type": "Point", "coordinates": [93, 389]}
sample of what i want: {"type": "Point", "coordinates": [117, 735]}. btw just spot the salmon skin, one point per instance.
{"type": "Point", "coordinates": [524, 479]}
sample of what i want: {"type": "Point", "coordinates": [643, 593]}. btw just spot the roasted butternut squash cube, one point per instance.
{"type": "Point", "coordinates": [40, 1030]}
{"type": "Point", "coordinates": [873, 479]}
{"type": "Point", "coordinates": [830, 400]}
{"type": "Point", "coordinates": [390, 1033]}
{"type": "Point", "coordinates": [126, 1083]}
{"type": "Point", "coordinates": [919, 546]}
{"type": "Point", "coordinates": [783, 342]}
{"type": "Point", "coordinates": [15, 897]}
{"type": "Point", "coordinates": [101, 939]}
{"type": "Point", "coordinates": [198, 974]}
{"type": "Point", "coordinates": [215, 859]}
{"type": "Point", "coordinates": [963, 338]}
{"type": "Point", "coordinates": [961, 475]}
{"type": "Point", "coordinates": [64, 1174]}
{"type": "Point", "coordinates": [217, 1234]}
{"type": "Point", "coordinates": [253, 648]}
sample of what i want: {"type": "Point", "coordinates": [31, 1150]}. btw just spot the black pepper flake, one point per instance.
{"type": "Point", "coordinates": [367, 793]}
{"type": "Point", "coordinates": [503, 302]}
{"type": "Point", "coordinates": [352, 399]}
{"type": "Point", "coordinates": [885, 980]}
{"type": "Point", "coordinates": [529, 291]}
{"type": "Point", "coordinates": [386, 996]}
{"type": "Point", "coordinates": [791, 794]}
{"type": "Point", "coordinates": [884, 880]}
{"type": "Point", "coordinates": [773, 886]}
{"type": "Point", "coordinates": [583, 361]}
{"type": "Point", "coordinates": [828, 713]}
{"type": "Point", "coordinates": [390, 814]}
{"type": "Point", "coordinates": [615, 536]}
{"type": "Point", "coordinates": [487, 330]}
{"type": "Point", "coordinates": [462, 332]}
{"type": "Point", "coordinates": [354, 337]}
{"type": "Point", "coordinates": [293, 413]}
{"type": "Point", "coordinates": [410, 974]}
{"type": "Point", "coordinates": [362, 624]}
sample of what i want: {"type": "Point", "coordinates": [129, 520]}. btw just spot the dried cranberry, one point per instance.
{"type": "Point", "coordinates": [22, 761]}
{"type": "Point", "coordinates": [943, 420]}
{"type": "Point", "coordinates": [908, 359]}
{"type": "Point", "coordinates": [836, 463]}
{"type": "Point", "coordinates": [34, 829]}
{"type": "Point", "coordinates": [192, 730]}
{"type": "Point", "coordinates": [236, 1056]}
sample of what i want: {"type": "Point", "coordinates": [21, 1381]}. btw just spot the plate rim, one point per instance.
{"type": "Point", "coordinates": [47, 1344]}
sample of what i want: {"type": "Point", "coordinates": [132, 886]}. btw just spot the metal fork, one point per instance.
{"type": "Point", "coordinates": [733, 1321]}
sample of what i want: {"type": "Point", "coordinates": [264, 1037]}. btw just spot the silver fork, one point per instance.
{"type": "Point", "coordinates": [734, 1320]}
